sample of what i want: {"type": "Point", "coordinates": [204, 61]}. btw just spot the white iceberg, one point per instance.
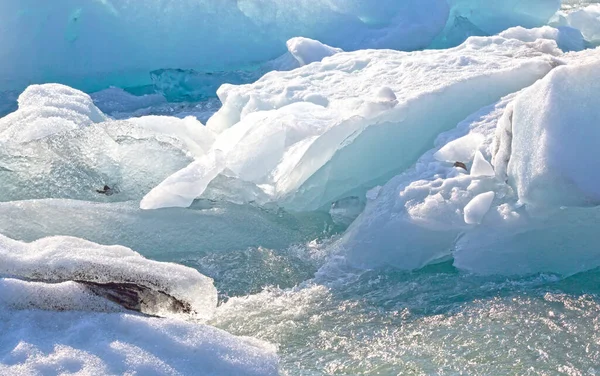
{"type": "Point", "coordinates": [336, 128]}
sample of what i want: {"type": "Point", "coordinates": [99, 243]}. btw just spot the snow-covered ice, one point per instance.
{"type": "Point", "coordinates": [353, 119]}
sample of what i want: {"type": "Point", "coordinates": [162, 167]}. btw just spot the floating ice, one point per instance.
{"type": "Point", "coordinates": [336, 128]}
{"type": "Point", "coordinates": [164, 289]}
{"type": "Point", "coordinates": [488, 17]}
{"type": "Point", "coordinates": [587, 20]}
{"type": "Point", "coordinates": [207, 227]}
{"type": "Point", "coordinates": [415, 218]}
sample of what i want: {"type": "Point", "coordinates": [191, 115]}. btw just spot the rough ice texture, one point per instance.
{"type": "Point", "coordinates": [567, 38]}
{"type": "Point", "coordinates": [434, 211]}
{"type": "Point", "coordinates": [553, 139]}
{"type": "Point", "coordinates": [37, 342]}
{"type": "Point", "coordinates": [59, 144]}
{"type": "Point", "coordinates": [60, 259]}
{"type": "Point", "coordinates": [415, 218]}
{"type": "Point", "coordinates": [355, 119]}
{"type": "Point", "coordinates": [59, 42]}
{"type": "Point", "coordinates": [48, 109]}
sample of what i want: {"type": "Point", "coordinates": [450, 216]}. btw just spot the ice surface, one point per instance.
{"type": "Point", "coordinates": [61, 42]}
{"type": "Point", "coordinates": [421, 216]}
{"type": "Point", "coordinates": [355, 119]}
{"type": "Point", "coordinates": [59, 144]}
{"type": "Point", "coordinates": [567, 38]}
{"type": "Point", "coordinates": [559, 113]}
{"type": "Point", "coordinates": [60, 259]}
{"type": "Point", "coordinates": [184, 233]}
{"type": "Point", "coordinates": [34, 342]}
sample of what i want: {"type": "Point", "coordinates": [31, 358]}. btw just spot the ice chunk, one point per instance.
{"type": "Point", "coordinates": [460, 150]}
{"type": "Point", "coordinates": [36, 342]}
{"type": "Point", "coordinates": [308, 51]}
{"type": "Point", "coordinates": [181, 188]}
{"type": "Point", "coordinates": [478, 207]}
{"type": "Point", "coordinates": [372, 120]}
{"type": "Point", "coordinates": [587, 20]}
{"type": "Point", "coordinates": [493, 16]}
{"type": "Point", "coordinates": [164, 289]}
{"type": "Point", "coordinates": [553, 138]}
{"type": "Point", "coordinates": [206, 35]}
{"type": "Point", "coordinates": [58, 144]}
{"type": "Point", "coordinates": [48, 109]}
{"type": "Point", "coordinates": [567, 38]}
{"type": "Point", "coordinates": [415, 218]}
{"type": "Point", "coordinates": [481, 167]}
{"type": "Point", "coordinates": [114, 101]}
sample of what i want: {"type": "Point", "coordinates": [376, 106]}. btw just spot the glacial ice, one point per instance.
{"type": "Point", "coordinates": [415, 218]}
{"type": "Point", "coordinates": [567, 38]}
{"type": "Point", "coordinates": [352, 120]}
{"type": "Point", "coordinates": [61, 259]}
{"type": "Point", "coordinates": [585, 19]}
{"type": "Point", "coordinates": [534, 211]}
{"type": "Point", "coordinates": [59, 144]}
{"type": "Point", "coordinates": [489, 17]}
{"type": "Point", "coordinates": [95, 44]}
{"type": "Point", "coordinates": [559, 113]}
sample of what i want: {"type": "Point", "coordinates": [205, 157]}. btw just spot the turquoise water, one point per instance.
{"type": "Point", "coordinates": [436, 321]}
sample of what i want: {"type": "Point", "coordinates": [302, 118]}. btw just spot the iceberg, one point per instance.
{"type": "Point", "coordinates": [416, 217]}
{"type": "Point", "coordinates": [523, 208]}
{"type": "Point", "coordinates": [352, 121]}
{"type": "Point", "coordinates": [95, 44]}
